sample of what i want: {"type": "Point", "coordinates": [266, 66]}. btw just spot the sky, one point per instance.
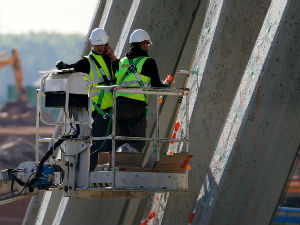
{"type": "Point", "coordinates": [60, 16]}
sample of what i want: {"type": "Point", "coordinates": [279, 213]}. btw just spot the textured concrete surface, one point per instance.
{"type": "Point", "coordinates": [117, 15]}
{"type": "Point", "coordinates": [94, 24]}
{"type": "Point", "coordinates": [261, 138]}
{"type": "Point", "coordinates": [234, 39]}
{"type": "Point", "coordinates": [223, 36]}
{"type": "Point", "coordinates": [33, 209]}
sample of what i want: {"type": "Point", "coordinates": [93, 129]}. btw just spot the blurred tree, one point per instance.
{"type": "Point", "coordinates": [38, 51]}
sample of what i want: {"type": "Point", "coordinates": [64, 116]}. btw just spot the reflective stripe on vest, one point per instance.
{"type": "Point", "coordinates": [129, 74]}
{"type": "Point", "coordinates": [95, 71]}
{"type": "Point", "coordinates": [96, 77]}
{"type": "Point", "coordinates": [135, 83]}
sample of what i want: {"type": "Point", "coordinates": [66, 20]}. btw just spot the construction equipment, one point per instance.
{"type": "Point", "coordinates": [15, 62]}
{"type": "Point", "coordinates": [118, 175]}
{"type": "Point", "coordinates": [19, 111]}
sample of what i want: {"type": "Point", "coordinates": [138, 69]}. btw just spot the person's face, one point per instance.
{"type": "Point", "coordinates": [145, 45]}
{"type": "Point", "coordinates": [99, 49]}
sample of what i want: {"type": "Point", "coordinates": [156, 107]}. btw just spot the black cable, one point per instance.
{"type": "Point", "coordinates": [50, 152]}
{"type": "Point", "coordinates": [26, 183]}
{"type": "Point", "coordinates": [14, 178]}
{"type": "Point", "coordinates": [39, 171]}
{"type": "Point", "coordinates": [74, 128]}
{"type": "Point", "coordinates": [71, 128]}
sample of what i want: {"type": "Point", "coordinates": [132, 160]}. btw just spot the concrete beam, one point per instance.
{"type": "Point", "coordinates": [95, 23]}
{"type": "Point", "coordinates": [223, 51]}
{"type": "Point", "coordinates": [260, 138]}
{"type": "Point", "coordinates": [115, 19]}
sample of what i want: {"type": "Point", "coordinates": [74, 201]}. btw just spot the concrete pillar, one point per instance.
{"type": "Point", "coordinates": [94, 24]}
{"type": "Point", "coordinates": [220, 61]}
{"type": "Point", "coordinates": [32, 210]}
{"type": "Point", "coordinates": [260, 138]}
{"type": "Point", "coordinates": [115, 19]}
{"type": "Point", "coordinates": [169, 24]}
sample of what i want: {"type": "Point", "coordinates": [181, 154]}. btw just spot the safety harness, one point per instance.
{"type": "Point", "coordinates": [97, 104]}
{"type": "Point", "coordinates": [132, 69]}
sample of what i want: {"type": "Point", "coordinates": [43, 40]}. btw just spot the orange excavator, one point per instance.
{"type": "Point", "coordinates": [15, 62]}
{"type": "Point", "coordinates": [17, 112]}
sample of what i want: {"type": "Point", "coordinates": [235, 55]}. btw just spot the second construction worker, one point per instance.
{"type": "Point", "coordinates": [101, 65]}
{"type": "Point", "coordinates": [136, 69]}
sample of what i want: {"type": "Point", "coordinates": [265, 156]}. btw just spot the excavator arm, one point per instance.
{"type": "Point", "coordinates": [5, 62]}
{"type": "Point", "coordinates": [15, 62]}
{"type": "Point", "coordinates": [2, 54]}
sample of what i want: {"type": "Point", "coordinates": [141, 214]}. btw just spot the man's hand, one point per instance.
{"type": "Point", "coordinates": [60, 65]}
{"type": "Point", "coordinates": [108, 51]}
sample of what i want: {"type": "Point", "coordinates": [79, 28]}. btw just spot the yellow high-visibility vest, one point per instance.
{"type": "Point", "coordinates": [96, 77]}
{"type": "Point", "coordinates": [129, 74]}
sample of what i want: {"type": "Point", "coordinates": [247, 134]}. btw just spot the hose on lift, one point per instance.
{"type": "Point", "coordinates": [38, 173]}
{"type": "Point", "coordinates": [51, 152]}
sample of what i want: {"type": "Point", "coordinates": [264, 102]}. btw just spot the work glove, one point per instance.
{"type": "Point", "coordinates": [61, 65]}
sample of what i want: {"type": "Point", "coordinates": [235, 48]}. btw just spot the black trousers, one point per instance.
{"type": "Point", "coordinates": [100, 128]}
{"type": "Point", "coordinates": [131, 121]}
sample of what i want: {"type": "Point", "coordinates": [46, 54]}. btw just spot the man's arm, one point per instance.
{"type": "Point", "coordinates": [113, 60]}
{"type": "Point", "coordinates": [150, 70]}
{"type": "Point", "coordinates": [81, 65]}
{"type": "Point", "coordinates": [109, 51]}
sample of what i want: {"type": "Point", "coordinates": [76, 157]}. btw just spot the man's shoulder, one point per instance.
{"type": "Point", "coordinates": [150, 61]}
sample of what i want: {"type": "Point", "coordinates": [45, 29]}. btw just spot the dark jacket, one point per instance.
{"type": "Point", "coordinates": [83, 65]}
{"type": "Point", "coordinates": [149, 68]}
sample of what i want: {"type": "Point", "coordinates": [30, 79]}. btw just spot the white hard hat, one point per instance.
{"type": "Point", "coordinates": [98, 37]}
{"type": "Point", "coordinates": [139, 35]}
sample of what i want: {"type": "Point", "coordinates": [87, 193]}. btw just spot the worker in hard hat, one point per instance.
{"type": "Point", "coordinates": [136, 69]}
{"type": "Point", "coordinates": [101, 65]}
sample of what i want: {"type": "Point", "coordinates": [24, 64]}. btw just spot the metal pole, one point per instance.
{"type": "Point", "coordinates": [90, 95]}
{"type": "Point", "coordinates": [187, 122]}
{"type": "Point", "coordinates": [113, 135]}
{"type": "Point", "coordinates": [64, 119]}
{"type": "Point", "coordinates": [154, 139]}
{"type": "Point", "coordinates": [67, 113]}
{"type": "Point", "coordinates": [90, 124]}
{"type": "Point", "coordinates": [178, 92]}
{"type": "Point", "coordinates": [37, 126]}
{"type": "Point", "coordinates": [157, 126]}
